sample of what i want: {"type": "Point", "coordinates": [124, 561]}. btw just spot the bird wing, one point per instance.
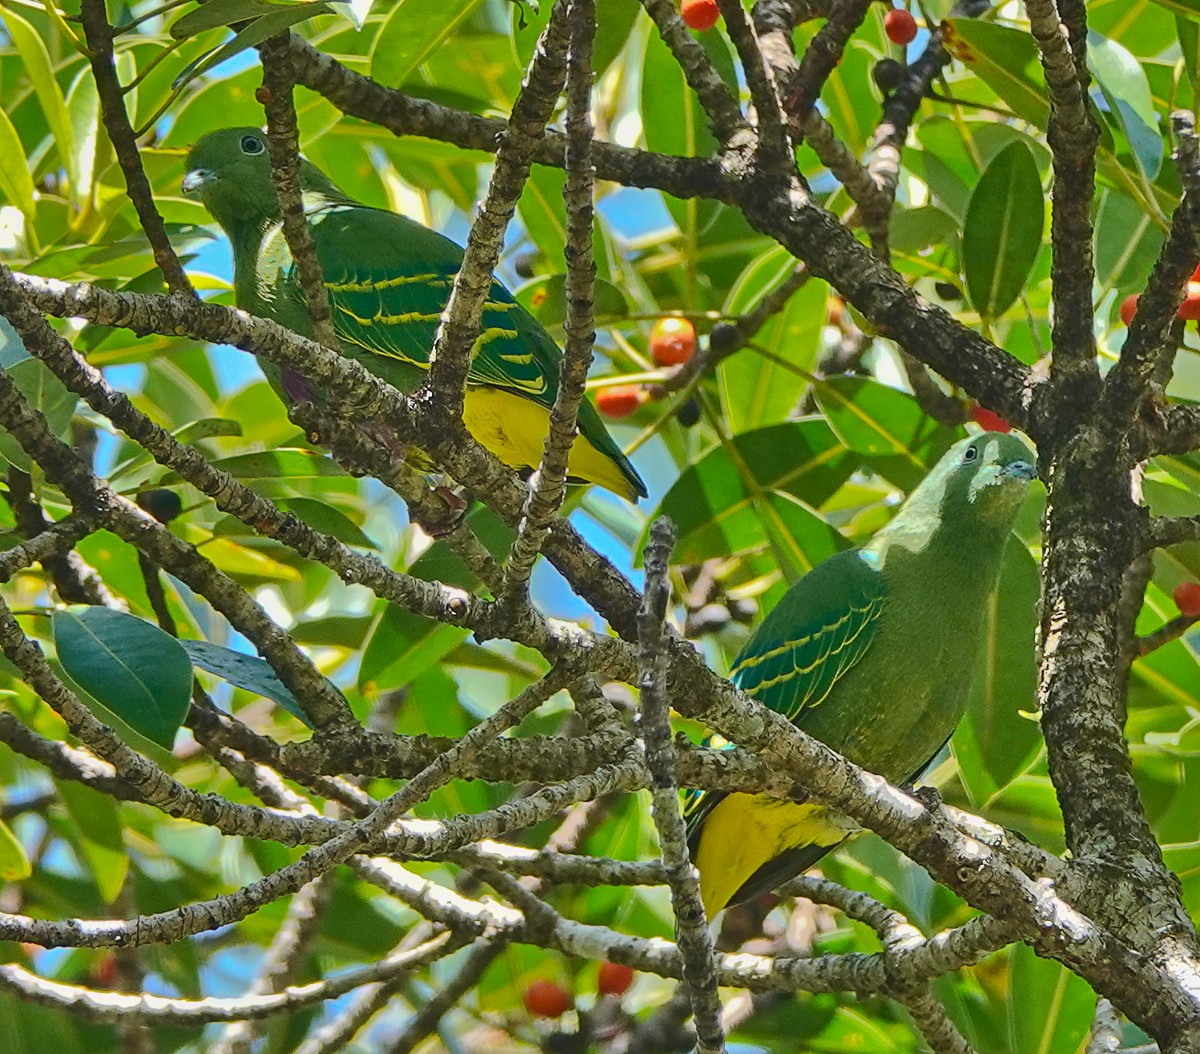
{"type": "Point", "coordinates": [823, 626]}
{"type": "Point", "coordinates": [388, 280]}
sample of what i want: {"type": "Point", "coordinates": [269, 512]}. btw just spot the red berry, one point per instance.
{"type": "Point", "coordinates": [104, 972]}
{"type": "Point", "coordinates": [900, 26]}
{"type": "Point", "coordinates": [1190, 308]}
{"type": "Point", "coordinates": [614, 979]}
{"type": "Point", "coordinates": [547, 999]}
{"type": "Point", "coordinates": [700, 14]}
{"type": "Point", "coordinates": [1129, 308]}
{"type": "Point", "coordinates": [672, 341]}
{"type": "Point", "coordinates": [1187, 599]}
{"type": "Point", "coordinates": [988, 420]}
{"type": "Point", "coordinates": [620, 400]}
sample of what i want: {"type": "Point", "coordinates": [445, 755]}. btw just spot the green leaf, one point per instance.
{"type": "Point", "coordinates": [133, 668]}
{"type": "Point", "coordinates": [674, 121]}
{"type": "Point", "coordinates": [35, 58]}
{"type": "Point", "coordinates": [324, 517]}
{"type": "Point", "coordinates": [1127, 244]}
{"type": "Point", "coordinates": [273, 464]}
{"type": "Point", "coordinates": [14, 864]}
{"type": "Point", "coordinates": [244, 671]}
{"type": "Point", "coordinates": [1186, 8]}
{"type": "Point", "coordinates": [1127, 91]}
{"type": "Point", "coordinates": [98, 823]}
{"type": "Point", "coordinates": [799, 537]}
{"type": "Point", "coordinates": [413, 30]}
{"type": "Point", "coordinates": [715, 503]}
{"type": "Point", "coordinates": [402, 646]}
{"type": "Point", "coordinates": [762, 384]}
{"type": "Point", "coordinates": [16, 181]}
{"type": "Point", "coordinates": [42, 390]}
{"type": "Point", "coordinates": [1003, 231]}
{"type": "Point", "coordinates": [886, 426]}
{"type": "Point", "coordinates": [998, 736]}
{"type": "Point", "coordinates": [1049, 1008]}
{"type": "Point", "coordinates": [283, 17]}
{"type": "Point", "coordinates": [546, 300]}
{"type": "Point", "coordinates": [216, 13]}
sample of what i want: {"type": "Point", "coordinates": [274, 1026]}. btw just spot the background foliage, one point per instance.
{"type": "Point", "coordinates": [791, 459]}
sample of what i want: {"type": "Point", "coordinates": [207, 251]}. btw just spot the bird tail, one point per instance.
{"type": "Point", "coordinates": [750, 843]}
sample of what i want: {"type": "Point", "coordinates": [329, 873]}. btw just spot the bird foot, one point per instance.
{"type": "Point", "coordinates": [297, 387]}
{"type": "Point", "coordinates": [438, 523]}
{"type": "Point", "coordinates": [927, 796]}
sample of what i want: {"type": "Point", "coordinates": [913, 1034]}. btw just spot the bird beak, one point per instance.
{"type": "Point", "coordinates": [1021, 470]}
{"type": "Point", "coordinates": [194, 181]}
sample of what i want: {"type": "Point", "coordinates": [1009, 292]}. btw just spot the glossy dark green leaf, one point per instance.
{"type": "Point", "coordinates": [245, 671]}
{"type": "Point", "coordinates": [132, 667]}
{"type": "Point", "coordinates": [886, 426]}
{"type": "Point", "coordinates": [999, 734]}
{"type": "Point", "coordinates": [1003, 231]}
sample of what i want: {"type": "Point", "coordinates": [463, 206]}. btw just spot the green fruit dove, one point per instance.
{"type": "Point", "coordinates": [388, 279]}
{"type": "Point", "coordinates": [871, 652]}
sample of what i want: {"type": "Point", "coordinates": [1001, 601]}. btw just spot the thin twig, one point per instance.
{"type": "Point", "coordinates": [94, 17]}
{"type": "Point", "coordinates": [691, 926]}
{"type": "Point", "coordinates": [547, 486]}
{"type": "Point", "coordinates": [450, 359]}
{"type": "Point", "coordinates": [283, 142]}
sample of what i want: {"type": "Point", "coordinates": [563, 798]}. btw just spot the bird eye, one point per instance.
{"type": "Point", "coordinates": [252, 145]}
{"type": "Point", "coordinates": [970, 454]}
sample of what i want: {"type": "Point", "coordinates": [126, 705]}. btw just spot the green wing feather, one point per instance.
{"type": "Point", "coordinates": [389, 278]}
{"type": "Point", "coordinates": [823, 625]}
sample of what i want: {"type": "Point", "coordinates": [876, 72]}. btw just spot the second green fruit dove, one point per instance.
{"type": "Point", "coordinates": [872, 652]}
{"type": "Point", "coordinates": [388, 279]}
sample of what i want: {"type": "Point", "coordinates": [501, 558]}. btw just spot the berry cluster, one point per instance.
{"type": "Point", "coordinates": [672, 343]}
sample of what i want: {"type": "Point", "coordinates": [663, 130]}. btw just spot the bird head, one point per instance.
{"type": "Point", "coordinates": [979, 483]}
{"type": "Point", "coordinates": [230, 172]}
{"type": "Point", "coordinates": [988, 475]}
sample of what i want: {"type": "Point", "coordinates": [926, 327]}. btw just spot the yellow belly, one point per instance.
{"type": "Point", "coordinates": [745, 831]}
{"type": "Point", "coordinates": [514, 429]}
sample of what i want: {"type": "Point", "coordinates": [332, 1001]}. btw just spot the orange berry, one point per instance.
{"type": "Point", "coordinates": [547, 999]}
{"type": "Point", "coordinates": [620, 400]}
{"type": "Point", "coordinates": [1129, 308]}
{"type": "Point", "coordinates": [1187, 599]}
{"type": "Point", "coordinates": [614, 979]}
{"type": "Point", "coordinates": [700, 14]}
{"type": "Point", "coordinates": [837, 310]}
{"type": "Point", "coordinates": [672, 341]}
{"type": "Point", "coordinates": [900, 26]}
{"type": "Point", "coordinates": [988, 420]}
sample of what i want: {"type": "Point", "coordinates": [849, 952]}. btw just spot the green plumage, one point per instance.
{"type": "Point", "coordinates": [871, 652]}
{"type": "Point", "coordinates": [388, 279]}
